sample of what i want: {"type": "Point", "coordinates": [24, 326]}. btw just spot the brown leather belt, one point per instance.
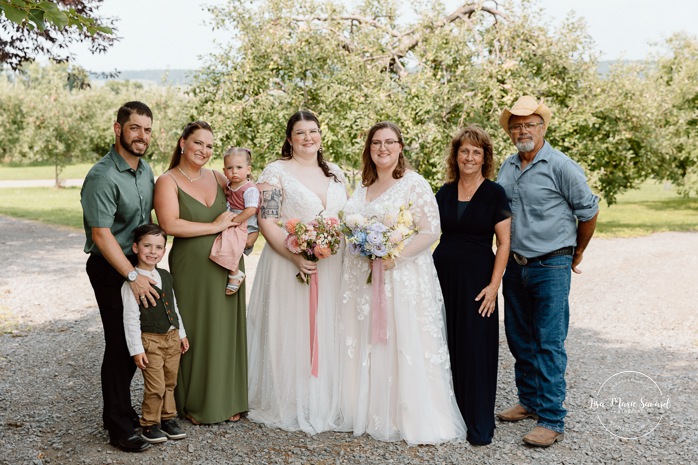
{"type": "Point", "coordinates": [523, 261]}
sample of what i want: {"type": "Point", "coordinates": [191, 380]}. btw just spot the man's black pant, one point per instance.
{"type": "Point", "coordinates": [118, 366]}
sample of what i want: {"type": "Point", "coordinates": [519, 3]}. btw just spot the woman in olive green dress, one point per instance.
{"type": "Point", "coordinates": [190, 205]}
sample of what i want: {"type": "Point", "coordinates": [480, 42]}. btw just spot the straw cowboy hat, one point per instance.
{"type": "Point", "coordinates": [525, 106]}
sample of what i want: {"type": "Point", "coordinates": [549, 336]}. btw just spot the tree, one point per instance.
{"type": "Point", "coordinates": [30, 28]}
{"type": "Point", "coordinates": [432, 76]}
{"type": "Point", "coordinates": [674, 77]}
{"type": "Point", "coordinates": [51, 115]}
{"type": "Point", "coordinates": [609, 127]}
{"type": "Point", "coordinates": [54, 123]}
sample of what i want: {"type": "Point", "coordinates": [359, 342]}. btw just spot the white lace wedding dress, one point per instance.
{"type": "Point", "coordinates": [401, 390]}
{"type": "Point", "coordinates": [282, 392]}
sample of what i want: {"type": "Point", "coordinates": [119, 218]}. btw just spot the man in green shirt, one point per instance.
{"type": "Point", "coordinates": [116, 198]}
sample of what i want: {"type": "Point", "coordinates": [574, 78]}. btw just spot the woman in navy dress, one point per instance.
{"type": "Point", "coordinates": [473, 211]}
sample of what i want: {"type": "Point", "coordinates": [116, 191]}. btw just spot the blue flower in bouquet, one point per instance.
{"type": "Point", "coordinates": [378, 228]}
{"type": "Point", "coordinates": [379, 250]}
{"type": "Point", "coordinates": [374, 238]}
{"type": "Point", "coordinates": [359, 237]}
{"type": "Point", "coordinates": [355, 249]}
{"type": "Point", "coordinates": [378, 237]}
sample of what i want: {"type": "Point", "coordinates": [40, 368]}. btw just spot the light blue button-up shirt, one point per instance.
{"type": "Point", "coordinates": [546, 199]}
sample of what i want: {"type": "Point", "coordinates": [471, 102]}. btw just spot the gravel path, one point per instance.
{"type": "Point", "coordinates": [633, 309]}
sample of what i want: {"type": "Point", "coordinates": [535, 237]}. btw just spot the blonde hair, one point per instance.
{"type": "Point", "coordinates": [247, 153]}
{"type": "Point", "coordinates": [239, 150]}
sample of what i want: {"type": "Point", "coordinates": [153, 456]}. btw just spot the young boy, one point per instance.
{"type": "Point", "coordinates": [243, 199]}
{"type": "Point", "coordinates": [155, 337]}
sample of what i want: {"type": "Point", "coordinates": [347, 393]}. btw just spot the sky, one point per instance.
{"type": "Point", "coordinates": [174, 34]}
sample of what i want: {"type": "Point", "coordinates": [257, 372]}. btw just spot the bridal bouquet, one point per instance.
{"type": "Point", "coordinates": [315, 240]}
{"type": "Point", "coordinates": [378, 237]}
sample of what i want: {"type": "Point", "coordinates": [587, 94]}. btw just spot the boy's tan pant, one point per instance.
{"type": "Point", "coordinates": [160, 376]}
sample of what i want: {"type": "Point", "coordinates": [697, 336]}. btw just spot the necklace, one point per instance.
{"type": "Point", "coordinates": [465, 189]}
{"type": "Point", "coordinates": [190, 179]}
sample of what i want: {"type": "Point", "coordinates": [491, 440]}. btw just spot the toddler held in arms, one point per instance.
{"type": "Point", "coordinates": [155, 337]}
{"type": "Point", "coordinates": [243, 198]}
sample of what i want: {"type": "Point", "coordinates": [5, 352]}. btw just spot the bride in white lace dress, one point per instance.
{"type": "Point", "coordinates": [402, 389]}
{"type": "Point", "coordinates": [283, 393]}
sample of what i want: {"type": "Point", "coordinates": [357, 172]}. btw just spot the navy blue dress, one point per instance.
{"type": "Point", "coordinates": [464, 261]}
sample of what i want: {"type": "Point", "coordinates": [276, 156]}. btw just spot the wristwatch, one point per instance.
{"type": "Point", "coordinates": [132, 276]}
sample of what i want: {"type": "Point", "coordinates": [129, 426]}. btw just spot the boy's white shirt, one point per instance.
{"type": "Point", "coordinates": [132, 314]}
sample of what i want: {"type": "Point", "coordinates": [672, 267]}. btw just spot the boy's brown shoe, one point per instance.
{"type": "Point", "coordinates": [515, 413]}
{"type": "Point", "coordinates": [543, 437]}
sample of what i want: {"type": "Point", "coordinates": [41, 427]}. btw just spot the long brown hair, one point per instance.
{"type": "Point", "coordinates": [369, 174]}
{"type": "Point", "coordinates": [477, 136]}
{"type": "Point", "coordinates": [287, 150]}
{"type": "Point", "coordinates": [189, 129]}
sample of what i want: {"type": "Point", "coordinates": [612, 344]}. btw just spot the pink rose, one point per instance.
{"type": "Point", "coordinates": [395, 237]}
{"type": "Point", "coordinates": [322, 251]}
{"type": "Point", "coordinates": [292, 244]}
{"type": "Point", "coordinates": [331, 221]}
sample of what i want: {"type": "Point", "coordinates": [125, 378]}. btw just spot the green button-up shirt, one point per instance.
{"type": "Point", "coordinates": [117, 197]}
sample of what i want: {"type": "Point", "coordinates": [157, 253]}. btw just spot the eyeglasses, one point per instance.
{"type": "Point", "coordinates": [528, 126]}
{"type": "Point", "coordinates": [388, 144]}
{"type": "Point", "coordinates": [311, 133]}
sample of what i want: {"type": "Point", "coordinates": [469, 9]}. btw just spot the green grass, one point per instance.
{"type": "Point", "coordinates": [652, 208]}
{"type": "Point", "coordinates": [45, 204]}
{"type": "Point", "coordinates": [53, 206]}
{"type": "Point", "coordinates": [22, 173]}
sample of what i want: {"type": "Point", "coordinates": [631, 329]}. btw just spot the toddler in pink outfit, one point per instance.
{"type": "Point", "coordinates": [243, 198]}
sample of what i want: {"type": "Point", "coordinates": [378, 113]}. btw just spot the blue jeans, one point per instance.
{"type": "Point", "coordinates": [536, 319]}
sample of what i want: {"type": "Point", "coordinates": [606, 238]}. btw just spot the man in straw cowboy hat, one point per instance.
{"type": "Point", "coordinates": [553, 218]}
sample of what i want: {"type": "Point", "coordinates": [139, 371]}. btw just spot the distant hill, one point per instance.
{"type": "Point", "coordinates": [605, 66]}
{"type": "Point", "coordinates": [157, 77]}
{"type": "Point", "coordinates": [184, 77]}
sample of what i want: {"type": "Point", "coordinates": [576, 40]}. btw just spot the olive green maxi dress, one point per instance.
{"type": "Point", "coordinates": [212, 380]}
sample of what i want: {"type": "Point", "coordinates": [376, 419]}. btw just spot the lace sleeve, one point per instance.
{"type": "Point", "coordinates": [425, 214]}
{"type": "Point", "coordinates": [271, 175]}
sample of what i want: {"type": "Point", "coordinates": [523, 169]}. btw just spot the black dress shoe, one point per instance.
{"type": "Point", "coordinates": [132, 443]}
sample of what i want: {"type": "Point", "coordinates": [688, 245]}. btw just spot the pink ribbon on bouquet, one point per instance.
{"type": "Point", "coordinates": [313, 324]}
{"type": "Point", "coordinates": [379, 318]}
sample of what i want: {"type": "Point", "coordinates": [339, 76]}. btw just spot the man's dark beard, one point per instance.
{"type": "Point", "coordinates": [129, 147]}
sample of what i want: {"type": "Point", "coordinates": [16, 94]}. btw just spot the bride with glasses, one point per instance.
{"type": "Point", "coordinates": [286, 389]}
{"type": "Point", "coordinates": [395, 369]}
